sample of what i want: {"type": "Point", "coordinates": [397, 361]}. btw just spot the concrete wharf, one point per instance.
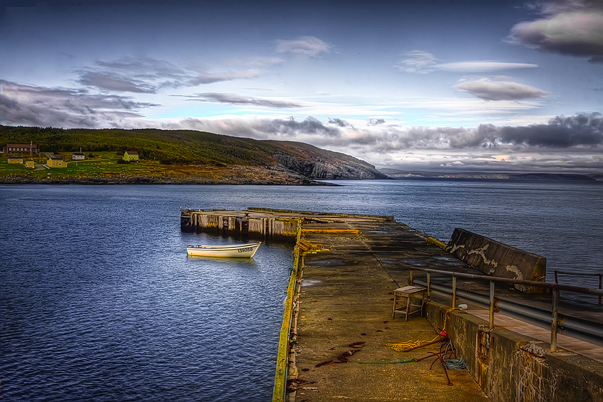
{"type": "Point", "coordinates": [339, 339]}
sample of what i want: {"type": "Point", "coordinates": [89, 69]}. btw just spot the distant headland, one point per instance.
{"type": "Point", "coordinates": [152, 156]}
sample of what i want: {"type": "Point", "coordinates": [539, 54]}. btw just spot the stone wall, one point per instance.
{"type": "Point", "coordinates": [511, 367]}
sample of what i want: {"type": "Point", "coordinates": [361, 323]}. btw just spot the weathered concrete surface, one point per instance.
{"type": "Point", "coordinates": [351, 285]}
{"type": "Point", "coordinates": [345, 297]}
{"type": "Point", "coordinates": [497, 259]}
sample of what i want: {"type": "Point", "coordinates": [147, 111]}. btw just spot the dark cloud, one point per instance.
{"type": "Point", "coordinates": [146, 67]}
{"type": "Point", "coordinates": [41, 106]}
{"type": "Point", "coordinates": [148, 75]}
{"type": "Point", "coordinates": [500, 89]}
{"type": "Point", "coordinates": [293, 128]}
{"type": "Point", "coordinates": [234, 99]}
{"type": "Point", "coordinates": [568, 27]}
{"type": "Point", "coordinates": [560, 132]}
{"type": "Point", "coordinates": [339, 122]}
{"type": "Point", "coordinates": [375, 122]}
{"type": "Point", "coordinates": [113, 82]}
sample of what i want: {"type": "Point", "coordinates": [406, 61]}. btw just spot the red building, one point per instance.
{"type": "Point", "coordinates": [20, 149]}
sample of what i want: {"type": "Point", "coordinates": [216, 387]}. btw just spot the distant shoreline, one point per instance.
{"type": "Point", "coordinates": [472, 176]}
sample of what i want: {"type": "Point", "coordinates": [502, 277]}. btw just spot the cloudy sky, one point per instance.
{"type": "Point", "coordinates": [426, 85]}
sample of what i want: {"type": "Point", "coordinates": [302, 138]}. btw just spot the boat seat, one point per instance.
{"type": "Point", "coordinates": [407, 308]}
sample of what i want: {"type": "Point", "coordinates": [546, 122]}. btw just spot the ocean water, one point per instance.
{"type": "Point", "coordinates": [98, 300]}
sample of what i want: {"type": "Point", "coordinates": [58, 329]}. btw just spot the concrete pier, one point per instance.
{"type": "Point", "coordinates": [339, 338]}
{"type": "Point", "coordinates": [258, 222]}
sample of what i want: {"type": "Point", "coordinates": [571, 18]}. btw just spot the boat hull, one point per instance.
{"type": "Point", "coordinates": [238, 251]}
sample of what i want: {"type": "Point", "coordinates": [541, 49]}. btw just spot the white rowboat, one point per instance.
{"type": "Point", "coordinates": [238, 251]}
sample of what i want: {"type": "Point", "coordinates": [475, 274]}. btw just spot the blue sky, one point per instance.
{"type": "Point", "coordinates": [431, 85]}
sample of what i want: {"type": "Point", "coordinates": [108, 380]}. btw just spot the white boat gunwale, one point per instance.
{"type": "Point", "coordinates": [238, 250]}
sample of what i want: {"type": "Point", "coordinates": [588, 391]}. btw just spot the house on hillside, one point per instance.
{"type": "Point", "coordinates": [56, 162]}
{"type": "Point", "coordinates": [20, 149]}
{"type": "Point", "coordinates": [130, 156]}
{"type": "Point", "coordinates": [13, 160]}
{"type": "Point", "coordinates": [78, 156]}
{"type": "Point", "coordinates": [30, 164]}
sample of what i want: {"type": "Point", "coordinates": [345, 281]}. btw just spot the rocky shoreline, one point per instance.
{"type": "Point", "coordinates": [160, 180]}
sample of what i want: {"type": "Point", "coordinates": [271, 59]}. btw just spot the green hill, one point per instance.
{"type": "Point", "coordinates": [181, 155]}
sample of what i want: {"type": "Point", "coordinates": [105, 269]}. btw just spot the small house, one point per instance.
{"type": "Point", "coordinates": [78, 156]}
{"type": "Point", "coordinates": [56, 162]}
{"type": "Point", "coordinates": [130, 156]}
{"type": "Point", "coordinates": [15, 161]}
{"type": "Point", "coordinates": [30, 164]}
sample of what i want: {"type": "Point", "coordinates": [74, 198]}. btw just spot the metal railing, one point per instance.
{"type": "Point", "coordinates": [580, 274]}
{"type": "Point", "coordinates": [555, 288]}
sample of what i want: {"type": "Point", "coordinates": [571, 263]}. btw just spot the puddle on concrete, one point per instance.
{"type": "Point", "coordinates": [444, 258]}
{"type": "Point", "coordinates": [309, 282]}
{"type": "Point", "coordinates": [448, 261]}
{"type": "Point", "coordinates": [415, 262]}
{"type": "Point", "coordinates": [389, 262]}
{"type": "Point", "coordinates": [326, 262]}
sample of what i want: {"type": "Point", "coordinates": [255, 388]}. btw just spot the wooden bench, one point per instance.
{"type": "Point", "coordinates": [408, 307]}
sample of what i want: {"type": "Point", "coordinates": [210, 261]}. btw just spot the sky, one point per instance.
{"type": "Point", "coordinates": [506, 86]}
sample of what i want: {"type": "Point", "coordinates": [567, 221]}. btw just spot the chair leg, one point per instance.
{"type": "Point", "coordinates": [407, 307]}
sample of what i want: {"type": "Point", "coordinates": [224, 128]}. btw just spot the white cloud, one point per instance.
{"type": "Point", "coordinates": [481, 66]}
{"type": "Point", "coordinates": [308, 45]}
{"type": "Point", "coordinates": [500, 89]}
{"type": "Point", "coordinates": [417, 62]}
{"type": "Point", "coordinates": [257, 61]}
{"type": "Point", "coordinates": [420, 62]}
{"type": "Point", "coordinates": [236, 99]}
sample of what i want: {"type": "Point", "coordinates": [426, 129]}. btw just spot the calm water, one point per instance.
{"type": "Point", "coordinates": [99, 301]}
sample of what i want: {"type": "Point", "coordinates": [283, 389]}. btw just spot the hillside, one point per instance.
{"type": "Point", "coordinates": [180, 156]}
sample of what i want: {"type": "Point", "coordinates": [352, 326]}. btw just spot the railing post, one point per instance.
{"type": "Point", "coordinates": [556, 279]}
{"type": "Point", "coordinates": [555, 320]}
{"type": "Point", "coordinates": [491, 304]}
{"type": "Point", "coordinates": [453, 290]}
{"type": "Point", "coordinates": [600, 283]}
{"type": "Point", "coordinates": [429, 286]}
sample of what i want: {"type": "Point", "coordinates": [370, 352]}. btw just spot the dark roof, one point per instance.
{"type": "Point", "coordinates": [132, 152]}
{"type": "Point", "coordinates": [54, 158]}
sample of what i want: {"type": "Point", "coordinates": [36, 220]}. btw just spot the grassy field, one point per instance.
{"type": "Point", "coordinates": [105, 166]}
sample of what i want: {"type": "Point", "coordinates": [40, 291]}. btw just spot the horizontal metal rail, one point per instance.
{"type": "Point", "coordinates": [493, 303]}
{"type": "Point", "coordinates": [546, 285]}
{"type": "Point", "coordinates": [581, 274]}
